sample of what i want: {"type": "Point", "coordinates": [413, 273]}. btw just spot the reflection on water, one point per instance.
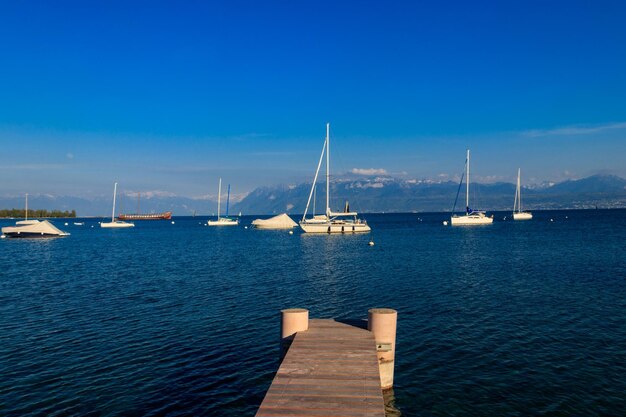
{"type": "Point", "coordinates": [390, 404]}
{"type": "Point", "coordinates": [522, 318]}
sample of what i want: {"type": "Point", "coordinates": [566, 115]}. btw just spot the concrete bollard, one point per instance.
{"type": "Point", "coordinates": [292, 320]}
{"type": "Point", "coordinates": [383, 322]}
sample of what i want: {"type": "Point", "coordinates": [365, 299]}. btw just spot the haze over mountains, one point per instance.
{"type": "Point", "coordinates": [365, 194]}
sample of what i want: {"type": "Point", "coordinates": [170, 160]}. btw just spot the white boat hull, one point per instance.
{"type": "Point", "coordinates": [334, 227]}
{"type": "Point", "coordinates": [470, 220]}
{"type": "Point", "coordinates": [116, 225]}
{"type": "Point", "coordinates": [522, 216]}
{"type": "Point", "coordinates": [223, 222]}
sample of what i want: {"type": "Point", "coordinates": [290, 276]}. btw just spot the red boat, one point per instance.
{"type": "Point", "coordinates": [158, 216]}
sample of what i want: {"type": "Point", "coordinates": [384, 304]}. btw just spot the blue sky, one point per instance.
{"type": "Point", "coordinates": [170, 96]}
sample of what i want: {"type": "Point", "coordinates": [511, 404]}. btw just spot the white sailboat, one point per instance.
{"type": "Point", "coordinates": [471, 217]}
{"type": "Point", "coordinates": [331, 222]}
{"type": "Point", "coordinates": [517, 204]}
{"type": "Point", "coordinates": [32, 228]}
{"type": "Point", "coordinates": [222, 221]}
{"type": "Point", "coordinates": [115, 223]}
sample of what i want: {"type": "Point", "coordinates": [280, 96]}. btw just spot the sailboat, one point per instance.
{"type": "Point", "coordinates": [331, 222]}
{"type": "Point", "coordinates": [116, 223]}
{"type": "Point", "coordinates": [517, 204]}
{"type": "Point", "coordinates": [222, 221]}
{"type": "Point", "coordinates": [32, 228]}
{"type": "Point", "coordinates": [471, 217]}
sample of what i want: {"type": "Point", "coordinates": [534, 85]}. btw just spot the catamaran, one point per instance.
{"type": "Point", "coordinates": [32, 228]}
{"type": "Point", "coordinates": [517, 204]}
{"type": "Point", "coordinates": [331, 222]}
{"type": "Point", "coordinates": [115, 223]}
{"type": "Point", "coordinates": [471, 217]}
{"type": "Point", "coordinates": [223, 221]}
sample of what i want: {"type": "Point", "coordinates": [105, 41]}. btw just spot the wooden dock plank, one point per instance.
{"type": "Point", "coordinates": [330, 370]}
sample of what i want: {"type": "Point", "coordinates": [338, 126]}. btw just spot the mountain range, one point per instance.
{"type": "Point", "coordinates": [365, 194]}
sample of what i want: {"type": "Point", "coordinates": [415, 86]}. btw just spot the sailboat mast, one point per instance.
{"type": "Point", "coordinates": [314, 186]}
{"type": "Point", "coordinates": [519, 189]}
{"type": "Point", "coordinates": [467, 181]}
{"type": "Point", "coordinates": [26, 212]}
{"type": "Point", "coordinates": [114, 194]}
{"type": "Point", "coordinates": [227, 200]}
{"type": "Point", "coordinates": [328, 169]}
{"type": "Point", "coordinates": [219, 194]}
{"type": "Point", "coordinates": [138, 197]}
{"type": "Point", "coordinates": [516, 192]}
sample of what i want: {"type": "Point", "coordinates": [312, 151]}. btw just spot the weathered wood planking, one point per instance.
{"type": "Point", "coordinates": [330, 370]}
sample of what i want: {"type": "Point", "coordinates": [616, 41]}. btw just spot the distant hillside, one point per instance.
{"type": "Point", "coordinates": [101, 206]}
{"type": "Point", "coordinates": [365, 194]}
{"type": "Point", "coordinates": [386, 194]}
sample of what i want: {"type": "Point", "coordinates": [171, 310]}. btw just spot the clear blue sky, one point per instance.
{"type": "Point", "coordinates": [169, 96]}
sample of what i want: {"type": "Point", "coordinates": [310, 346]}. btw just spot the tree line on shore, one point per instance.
{"type": "Point", "coordinates": [19, 213]}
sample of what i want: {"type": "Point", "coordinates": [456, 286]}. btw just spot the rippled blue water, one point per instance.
{"type": "Point", "coordinates": [516, 319]}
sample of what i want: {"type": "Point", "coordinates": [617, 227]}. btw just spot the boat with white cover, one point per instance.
{"type": "Point", "coordinates": [282, 221]}
{"type": "Point", "coordinates": [471, 217]}
{"type": "Point", "coordinates": [517, 204]}
{"type": "Point", "coordinates": [115, 224]}
{"type": "Point", "coordinates": [331, 222]}
{"type": "Point", "coordinates": [32, 228]}
{"type": "Point", "coordinates": [222, 221]}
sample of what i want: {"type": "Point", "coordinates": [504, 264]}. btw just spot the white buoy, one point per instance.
{"type": "Point", "coordinates": [551, 220]}
{"type": "Point", "coordinates": [445, 222]}
{"type": "Point", "coordinates": [173, 222]}
{"type": "Point", "coordinates": [371, 243]}
{"type": "Point", "coordinates": [291, 232]}
{"type": "Point", "coordinates": [92, 227]}
{"type": "Point", "coordinates": [67, 224]}
{"type": "Point", "coordinates": [245, 227]}
{"type": "Point", "coordinates": [566, 217]}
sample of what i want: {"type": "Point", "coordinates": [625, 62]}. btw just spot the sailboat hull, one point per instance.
{"type": "Point", "coordinates": [522, 216]}
{"type": "Point", "coordinates": [470, 220]}
{"type": "Point", "coordinates": [116, 225]}
{"type": "Point", "coordinates": [223, 222]}
{"type": "Point", "coordinates": [334, 227]}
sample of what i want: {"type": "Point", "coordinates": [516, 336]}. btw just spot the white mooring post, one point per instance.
{"type": "Point", "coordinates": [383, 322]}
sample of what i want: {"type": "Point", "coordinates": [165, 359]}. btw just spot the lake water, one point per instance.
{"type": "Point", "coordinates": [512, 319]}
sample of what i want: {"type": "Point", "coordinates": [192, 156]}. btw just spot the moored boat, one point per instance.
{"type": "Point", "coordinates": [331, 222]}
{"type": "Point", "coordinates": [115, 224]}
{"type": "Point", "coordinates": [138, 216]}
{"type": "Point", "coordinates": [518, 213]}
{"type": "Point", "coordinates": [155, 216]}
{"type": "Point", "coordinates": [222, 221]}
{"type": "Point", "coordinates": [32, 228]}
{"type": "Point", "coordinates": [471, 217]}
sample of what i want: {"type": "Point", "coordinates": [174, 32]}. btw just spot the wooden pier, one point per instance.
{"type": "Point", "coordinates": [330, 370]}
